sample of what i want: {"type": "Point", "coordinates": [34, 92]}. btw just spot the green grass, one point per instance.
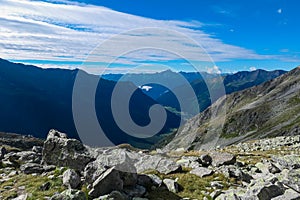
{"type": "Point", "coordinates": [191, 185]}
{"type": "Point", "coordinates": [32, 186]}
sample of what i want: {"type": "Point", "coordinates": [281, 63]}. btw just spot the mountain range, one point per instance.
{"type": "Point", "coordinates": [35, 100]}
{"type": "Point", "coordinates": [267, 110]}
{"type": "Point", "coordinates": [230, 82]}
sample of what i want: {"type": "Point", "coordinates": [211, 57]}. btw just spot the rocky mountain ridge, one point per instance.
{"type": "Point", "coordinates": [65, 169]}
{"type": "Point", "coordinates": [268, 110]}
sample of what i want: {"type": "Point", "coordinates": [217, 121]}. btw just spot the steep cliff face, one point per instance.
{"type": "Point", "coordinates": [268, 110]}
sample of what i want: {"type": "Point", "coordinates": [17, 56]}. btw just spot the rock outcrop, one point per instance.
{"type": "Point", "coordinates": [61, 151]}
{"type": "Point", "coordinates": [265, 169]}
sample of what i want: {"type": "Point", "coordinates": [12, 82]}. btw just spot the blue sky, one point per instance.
{"type": "Point", "coordinates": [236, 35]}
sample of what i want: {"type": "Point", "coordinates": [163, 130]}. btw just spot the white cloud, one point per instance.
{"type": "Point", "coordinates": [252, 68]}
{"type": "Point", "coordinates": [279, 11]}
{"type": "Point", "coordinates": [214, 70]}
{"type": "Point", "coordinates": [44, 30]}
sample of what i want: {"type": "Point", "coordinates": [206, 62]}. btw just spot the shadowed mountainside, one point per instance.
{"type": "Point", "coordinates": [35, 100]}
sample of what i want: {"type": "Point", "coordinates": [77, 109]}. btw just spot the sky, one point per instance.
{"type": "Point", "coordinates": [142, 35]}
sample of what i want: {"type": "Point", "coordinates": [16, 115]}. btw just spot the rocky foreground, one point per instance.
{"type": "Point", "coordinates": [65, 169]}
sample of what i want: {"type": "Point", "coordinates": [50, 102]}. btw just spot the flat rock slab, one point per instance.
{"type": "Point", "coordinates": [202, 172]}
{"type": "Point", "coordinates": [221, 158]}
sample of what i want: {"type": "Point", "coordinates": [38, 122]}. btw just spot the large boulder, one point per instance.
{"type": "Point", "coordinates": [130, 161]}
{"type": "Point", "coordinates": [60, 151]}
{"type": "Point", "coordinates": [265, 192]}
{"type": "Point", "coordinates": [92, 171]}
{"type": "Point", "coordinates": [106, 183]}
{"type": "Point", "coordinates": [71, 179]}
{"type": "Point", "coordinates": [121, 159]}
{"type": "Point", "coordinates": [222, 158]}
{"type": "Point", "coordinates": [161, 164]}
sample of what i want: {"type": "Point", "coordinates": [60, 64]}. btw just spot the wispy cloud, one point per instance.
{"type": "Point", "coordinates": [45, 30]}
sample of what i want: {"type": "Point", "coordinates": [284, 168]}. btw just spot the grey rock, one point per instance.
{"type": "Point", "coordinates": [92, 171]}
{"type": "Point", "coordinates": [29, 156]}
{"type": "Point", "coordinates": [113, 157]}
{"type": "Point", "coordinates": [289, 194]}
{"type": "Point", "coordinates": [172, 185]}
{"type": "Point", "coordinates": [220, 158]}
{"type": "Point", "coordinates": [156, 180]}
{"type": "Point", "coordinates": [56, 134]}
{"type": "Point", "coordinates": [215, 194]}
{"type": "Point", "coordinates": [127, 172]}
{"type": "Point", "coordinates": [265, 192]}
{"type": "Point", "coordinates": [239, 175]}
{"type": "Point", "coordinates": [287, 161]}
{"type": "Point", "coordinates": [69, 194]}
{"type": "Point", "coordinates": [273, 169]}
{"type": "Point", "coordinates": [232, 194]}
{"type": "Point", "coordinates": [21, 197]}
{"type": "Point", "coordinates": [202, 172]}
{"type": "Point", "coordinates": [30, 168]}
{"type": "Point", "coordinates": [60, 151]}
{"type": "Point", "coordinates": [168, 166]}
{"type": "Point", "coordinates": [71, 179]}
{"type": "Point", "coordinates": [189, 161]}
{"type": "Point", "coordinates": [106, 183]}
{"type": "Point", "coordinates": [293, 180]}
{"type": "Point", "coordinates": [49, 168]}
{"type": "Point", "coordinates": [157, 162]}
{"type": "Point", "coordinates": [37, 149]}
